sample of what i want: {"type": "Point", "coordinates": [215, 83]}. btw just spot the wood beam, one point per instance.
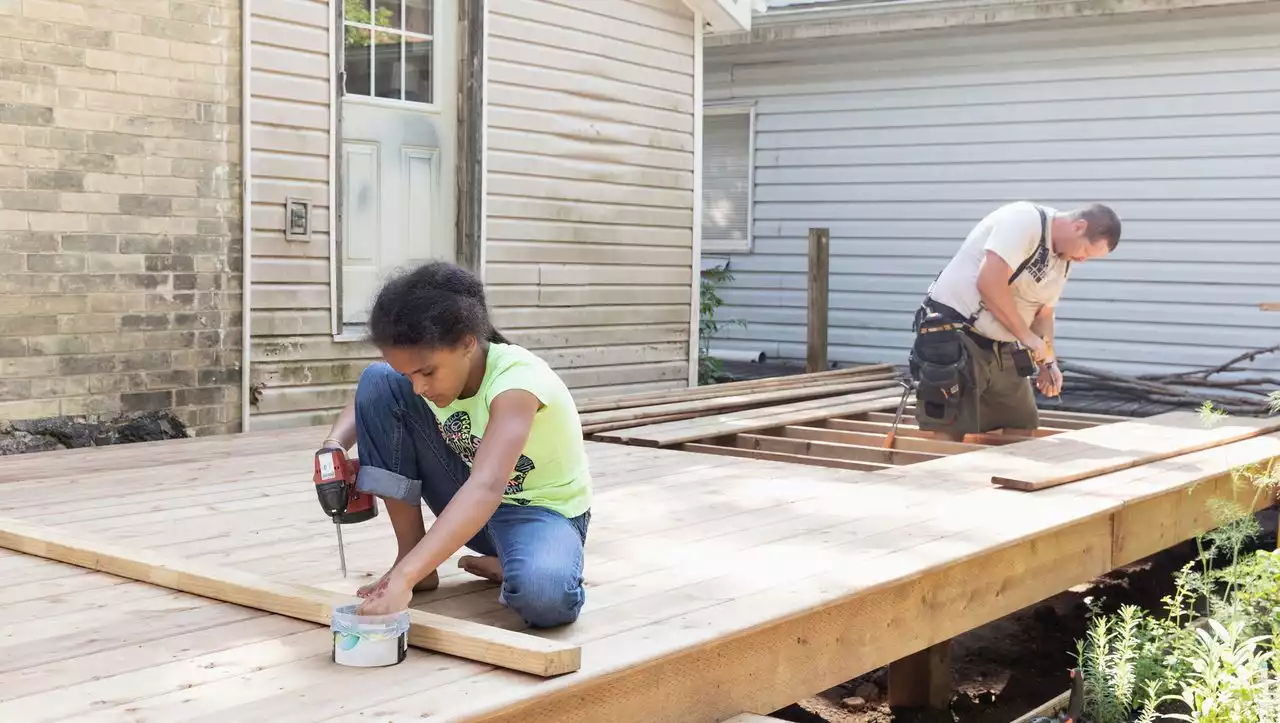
{"type": "Point", "coordinates": [750, 420]}
{"type": "Point", "coordinates": [783, 457]}
{"type": "Point", "coordinates": [857, 425]}
{"type": "Point", "coordinates": [868, 439]}
{"type": "Point", "coordinates": [833, 450]}
{"type": "Point", "coordinates": [819, 283]}
{"type": "Point", "coordinates": [923, 679]}
{"type": "Point", "coordinates": [1042, 430]}
{"type": "Point", "coordinates": [462, 638]}
{"type": "Point", "coordinates": [700, 407]}
{"type": "Point", "coordinates": [868, 372]}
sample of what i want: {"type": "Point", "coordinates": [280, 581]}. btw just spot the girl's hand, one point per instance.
{"type": "Point", "coordinates": [389, 596]}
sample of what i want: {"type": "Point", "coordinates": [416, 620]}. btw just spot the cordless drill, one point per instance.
{"type": "Point", "coordinates": [335, 480]}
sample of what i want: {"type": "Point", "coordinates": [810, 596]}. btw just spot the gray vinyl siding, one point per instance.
{"type": "Point", "coordinates": [900, 145]}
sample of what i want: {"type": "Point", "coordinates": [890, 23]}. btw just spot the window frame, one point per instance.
{"type": "Point", "coordinates": [373, 100]}
{"type": "Point", "coordinates": [731, 108]}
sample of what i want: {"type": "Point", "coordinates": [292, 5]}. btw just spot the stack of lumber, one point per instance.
{"type": "Point", "coordinates": [665, 418]}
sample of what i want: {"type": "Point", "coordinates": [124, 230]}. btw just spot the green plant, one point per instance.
{"type": "Point", "coordinates": [1122, 660]}
{"type": "Point", "coordinates": [1208, 659]}
{"type": "Point", "coordinates": [358, 11]}
{"type": "Point", "coordinates": [1230, 676]}
{"type": "Point", "coordinates": [709, 367]}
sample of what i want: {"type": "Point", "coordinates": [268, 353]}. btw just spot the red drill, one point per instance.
{"type": "Point", "coordinates": [335, 480]}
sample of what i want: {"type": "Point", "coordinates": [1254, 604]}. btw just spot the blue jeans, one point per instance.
{"type": "Point", "coordinates": [404, 457]}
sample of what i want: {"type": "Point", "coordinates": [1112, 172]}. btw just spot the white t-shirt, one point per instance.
{"type": "Point", "coordinates": [1013, 232]}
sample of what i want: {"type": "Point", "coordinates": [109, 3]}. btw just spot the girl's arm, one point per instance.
{"type": "Point", "coordinates": [344, 427]}
{"type": "Point", "coordinates": [510, 418]}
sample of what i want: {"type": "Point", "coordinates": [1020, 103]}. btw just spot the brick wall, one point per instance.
{"type": "Point", "coordinates": [120, 248]}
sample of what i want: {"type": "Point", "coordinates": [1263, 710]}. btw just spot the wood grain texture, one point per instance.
{"type": "Point", "coordinates": [1079, 454]}
{"type": "Point", "coordinates": [862, 569]}
{"type": "Point", "coordinates": [834, 376]}
{"type": "Point", "coordinates": [668, 433]}
{"type": "Point", "coordinates": [483, 643]}
{"type": "Point", "coordinates": [738, 400]}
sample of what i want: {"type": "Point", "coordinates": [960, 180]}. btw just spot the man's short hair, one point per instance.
{"type": "Point", "coordinates": [1103, 223]}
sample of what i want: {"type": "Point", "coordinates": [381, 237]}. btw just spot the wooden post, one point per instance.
{"type": "Point", "coordinates": [922, 680]}
{"type": "Point", "coordinates": [819, 284]}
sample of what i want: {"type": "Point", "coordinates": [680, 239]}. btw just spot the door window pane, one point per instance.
{"type": "Point", "coordinates": [418, 16]}
{"type": "Point", "coordinates": [386, 14]}
{"type": "Point", "coordinates": [394, 60]}
{"type": "Point", "coordinates": [417, 74]}
{"type": "Point", "coordinates": [357, 61]}
{"type": "Point", "coordinates": [388, 65]}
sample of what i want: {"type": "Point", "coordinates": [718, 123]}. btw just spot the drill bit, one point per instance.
{"type": "Point", "coordinates": [342, 554]}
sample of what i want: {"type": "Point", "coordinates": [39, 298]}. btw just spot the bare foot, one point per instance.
{"type": "Point", "coordinates": [426, 584]}
{"type": "Point", "coordinates": [487, 566]}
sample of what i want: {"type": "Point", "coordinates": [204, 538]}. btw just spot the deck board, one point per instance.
{"type": "Point", "coordinates": [764, 581]}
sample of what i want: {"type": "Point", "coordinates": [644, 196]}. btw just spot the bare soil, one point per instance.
{"type": "Point", "coordinates": [1006, 668]}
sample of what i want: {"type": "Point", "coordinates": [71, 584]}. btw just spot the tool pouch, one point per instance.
{"type": "Point", "coordinates": [939, 364]}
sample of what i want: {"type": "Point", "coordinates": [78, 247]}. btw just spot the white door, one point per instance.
{"type": "Point", "coordinates": [399, 124]}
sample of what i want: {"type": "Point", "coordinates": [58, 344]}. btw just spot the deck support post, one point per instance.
{"type": "Point", "coordinates": [922, 680]}
{"type": "Point", "coordinates": [819, 285]}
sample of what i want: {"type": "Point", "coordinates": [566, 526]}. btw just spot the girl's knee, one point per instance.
{"type": "Point", "coordinates": [379, 385]}
{"type": "Point", "coordinates": [544, 596]}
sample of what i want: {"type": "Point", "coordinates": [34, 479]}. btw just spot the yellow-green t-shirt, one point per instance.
{"type": "Point", "coordinates": [552, 471]}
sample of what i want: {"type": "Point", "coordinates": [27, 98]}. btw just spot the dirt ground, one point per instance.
{"type": "Point", "coordinates": [1009, 667]}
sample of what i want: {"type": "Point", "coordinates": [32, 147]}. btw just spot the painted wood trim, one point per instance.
{"type": "Point", "coordinates": [695, 311]}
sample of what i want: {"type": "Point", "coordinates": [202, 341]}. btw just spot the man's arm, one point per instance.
{"type": "Point", "coordinates": [1042, 325]}
{"type": "Point", "coordinates": [993, 286]}
{"type": "Point", "coordinates": [1050, 380]}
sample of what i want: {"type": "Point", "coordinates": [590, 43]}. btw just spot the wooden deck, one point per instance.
{"type": "Point", "coordinates": [716, 585]}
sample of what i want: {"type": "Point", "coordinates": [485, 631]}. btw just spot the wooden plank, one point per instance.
{"type": "Point", "coordinates": [836, 450]}
{"type": "Point", "coordinates": [908, 431]}
{"type": "Point", "coordinates": [910, 444]}
{"type": "Point", "coordinates": [482, 643]}
{"type": "Point", "coordinates": [832, 462]}
{"type": "Point", "coordinates": [667, 433]}
{"type": "Point", "coordinates": [819, 283]}
{"type": "Point", "coordinates": [1071, 456]}
{"type": "Point", "coordinates": [1048, 710]}
{"type": "Point", "coordinates": [833, 376]}
{"type": "Point", "coordinates": [700, 406]}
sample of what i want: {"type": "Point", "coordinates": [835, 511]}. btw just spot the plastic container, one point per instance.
{"type": "Point", "coordinates": [369, 641]}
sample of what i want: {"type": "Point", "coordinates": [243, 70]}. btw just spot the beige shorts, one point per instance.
{"type": "Point", "coordinates": [997, 398]}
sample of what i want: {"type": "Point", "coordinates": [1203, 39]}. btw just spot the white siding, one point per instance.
{"type": "Point", "coordinates": [900, 146]}
{"type": "Point", "coordinates": [589, 259]}
{"type": "Point", "coordinates": [291, 326]}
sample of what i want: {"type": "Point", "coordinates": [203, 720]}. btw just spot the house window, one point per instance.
{"type": "Point", "coordinates": [727, 178]}
{"type": "Point", "coordinates": [388, 51]}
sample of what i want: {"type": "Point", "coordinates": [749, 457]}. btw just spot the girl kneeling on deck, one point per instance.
{"type": "Point", "coordinates": [481, 430]}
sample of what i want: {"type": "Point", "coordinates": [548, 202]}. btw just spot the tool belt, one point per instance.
{"type": "Point", "coordinates": [939, 362]}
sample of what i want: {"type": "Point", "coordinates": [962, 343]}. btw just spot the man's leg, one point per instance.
{"type": "Point", "coordinates": [541, 556]}
{"type": "Point", "coordinates": [403, 458]}
{"type": "Point", "coordinates": [1010, 401]}
{"type": "Point", "coordinates": [968, 417]}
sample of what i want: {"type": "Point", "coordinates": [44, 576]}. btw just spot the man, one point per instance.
{"type": "Point", "coordinates": [987, 321]}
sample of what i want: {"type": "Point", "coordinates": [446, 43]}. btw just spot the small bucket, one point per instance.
{"type": "Point", "coordinates": [369, 641]}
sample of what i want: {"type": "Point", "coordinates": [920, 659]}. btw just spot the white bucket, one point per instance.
{"type": "Point", "coordinates": [369, 641]}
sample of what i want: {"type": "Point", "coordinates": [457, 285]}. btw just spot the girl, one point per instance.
{"type": "Point", "coordinates": [481, 430]}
